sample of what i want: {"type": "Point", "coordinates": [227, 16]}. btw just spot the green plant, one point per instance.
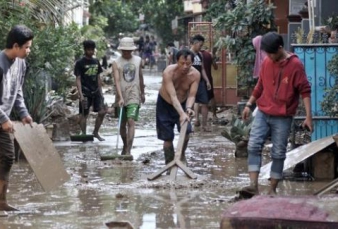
{"type": "Point", "coordinates": [330, 102]}
{"type": "Point", "coordinates": [299, 34]}
{"type": "Point", "coordinates": [53, 52]}
{"type": "Point", "coordinates": [332, 22]}
{"type": "Point", "coordinates": [237, 130]}
{"type": "Point", "coordinates": [242, 24]}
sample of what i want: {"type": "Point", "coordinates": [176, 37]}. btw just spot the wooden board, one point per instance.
{"type": "Point", "coordinates": [299, 154]}
{"type": "Point", "coordinates": [41, 155]}
{"type": "Point", "coordinates": [176, 163]}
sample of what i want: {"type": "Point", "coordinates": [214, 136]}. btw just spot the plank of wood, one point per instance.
{"type": "Point", "coordinates": [186, 170]}
{"type": "Point", "coordinates": [299, 154]}
{"type": "Point", "coordinates": [179, 148]}
{"type": "Point", "coordinates": [327, 188]}
{"type": "Point", "coordinates": [159, 172]}
{"type": "Point", "coordinates": [176, 163]}
{"type": "Point", "coordinates": [41, 155]}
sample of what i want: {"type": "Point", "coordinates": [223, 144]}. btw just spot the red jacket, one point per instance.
{"type": "Point", "coordinates": [279, 86]}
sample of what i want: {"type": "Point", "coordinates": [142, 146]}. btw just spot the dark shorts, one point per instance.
{"type": "Point", "coordinates": [211, 94]}
{"type": "Point", "coordinates": [97, 101]}
{"type": "Point", "coordinates": [6, 154]}
{"type": "Point", "coordinates": [202, 93]}
{"type": "Point", "coordinates": [166, 118]}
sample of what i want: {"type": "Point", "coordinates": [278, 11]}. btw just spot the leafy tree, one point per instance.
{"type": "Point", "coordinates": [123, 16]}
{"type": "Point", "coordinates": [53, 51]}
{"type": "Point", "coordinates": [120, 17]}
{"type": "Point", "coordinates": [241, 24]}
{"type": "Point", "coordinates": [159, 14]}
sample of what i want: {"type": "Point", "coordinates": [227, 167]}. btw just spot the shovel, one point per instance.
{"type": "Point", "coordinates": [82, 137]}
{"type": "Point", "coordinates": [116, 155]}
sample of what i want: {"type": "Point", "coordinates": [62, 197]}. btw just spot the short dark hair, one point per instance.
{"type": "Point", "coordinates": [271, 42]}
{"type": "Point", "coordinates": [170, 44]}
{"type": "Point", "coordinates": [89, 44]}
{"type": "Point", "coordinates": [185, 53]}
{"type": "Point", "coordinates": [19, 34]}
{"type": "Point", "coordinates": [197, 37]}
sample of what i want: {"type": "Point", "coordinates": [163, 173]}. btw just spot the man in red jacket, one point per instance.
{"type": "Point", "coordinates": [282, 80]}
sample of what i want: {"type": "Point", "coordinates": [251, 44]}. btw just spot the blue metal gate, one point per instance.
{"type": "Point", "coordinates": [315, 58]}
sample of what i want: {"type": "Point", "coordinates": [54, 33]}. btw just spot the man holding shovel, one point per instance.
{"type": "Point", "coordinates": [176, 100]}
{"type": "Point", "coordinates": [87, 71]}
{"type": "Point", "coordinates": [127, 72]}
{"type": "Point", "coordinates": [12, 71]}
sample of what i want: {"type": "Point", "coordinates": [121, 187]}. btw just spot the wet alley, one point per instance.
{"type": "Point", "coordinates": [103, 191]}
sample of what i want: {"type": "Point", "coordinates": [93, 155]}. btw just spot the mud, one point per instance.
{"type": "Point", "coordinates": [102, 192]}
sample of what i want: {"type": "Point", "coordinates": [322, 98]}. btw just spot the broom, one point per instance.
{"type": "Point", "coordinates": [116, 155]}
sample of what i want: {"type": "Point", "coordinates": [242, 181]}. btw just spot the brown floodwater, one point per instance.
{"type": "Point", "coordinates": [103, 191]}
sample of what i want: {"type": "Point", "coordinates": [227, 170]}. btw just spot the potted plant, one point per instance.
{"type": "Point", "coordinates": [238, 132]}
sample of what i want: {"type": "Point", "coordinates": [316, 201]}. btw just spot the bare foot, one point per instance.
{"type": "Point", "coordinates": [96, 135]}
{"type": "Point", "coordinates": [197, 123]}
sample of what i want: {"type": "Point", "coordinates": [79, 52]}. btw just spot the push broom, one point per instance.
{"type": "Point", "coordinates": [116, 155]}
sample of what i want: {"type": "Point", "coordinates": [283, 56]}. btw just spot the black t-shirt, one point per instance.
{"type": "Point", "coordinates": [88, 70]}
{"type": "Point", "coordinates": [198, 61]}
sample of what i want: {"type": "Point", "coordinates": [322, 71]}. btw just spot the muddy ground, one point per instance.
{"type": "Point", "coordinates": [101, 192]}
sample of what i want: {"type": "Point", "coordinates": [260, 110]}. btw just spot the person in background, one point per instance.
{"type": "Point", "coordinates": [282, 80]}
{"type": "Point", "coordinates": [259, 57]}
{"type": "Point", "coordinates": [202, 99]}
{"type": "Point", "coordinates": [209, 62]}
{"type": "Point", "coordinates": [129, 82]}
{"type": "Point", "coordinates": [140, 46]}
{"type": "Point", "coordinates": [148, 58]}
{"type": "Point", "coordinates": [105, 62]}
{"type": "Point", "coordinates": [172, 51]}
{"type": "Point", "coordinates": [87, 71]}
{"type": "Point", "coordinates": [12, 69]}
{"type": "Point", "coordinates": [153, 44]}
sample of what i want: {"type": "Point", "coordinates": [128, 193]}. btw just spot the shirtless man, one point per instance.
{"type": "Point", "coordinates": [175, 101]}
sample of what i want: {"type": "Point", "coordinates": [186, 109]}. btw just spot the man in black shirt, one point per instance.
{"type": "Point", "coordinates": [204, 85]}
{"type": "Point", "coordinates": [87, 71]}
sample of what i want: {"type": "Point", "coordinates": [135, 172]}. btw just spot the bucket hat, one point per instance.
{"type": "Point", "coordinates": [127, 43]}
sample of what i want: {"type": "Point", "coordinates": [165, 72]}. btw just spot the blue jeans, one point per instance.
{"type": "Point", "coordinates": [279, 128]}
